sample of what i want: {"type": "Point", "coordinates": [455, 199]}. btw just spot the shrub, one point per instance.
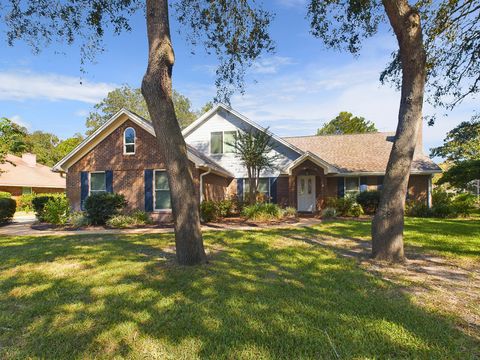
{"type": "Point", "coordinates": [369, 201]}
{"type": "Point", "coordinates": [78, 219]}
{"type": "Point", "coordinates": [225, 208]}
{"type": "Point", "coordinates": [329, 212]}
{"type": "Point", "coordinates": [343, 206]}
{"type": "Point", "coordinates": [4, 194]}
{"type": "Point", "coordinates": [39, 201]}
{"type": "Point", "coordinates": [417, 209]}
{"type": "Point", "coordinates": [102, 206]}
{"type": "Point", "coordinates": [444, 205]}
{"type": "Point", "coordinates": [24, 202]}
{"type": "Point", "coordinates": [208, 211]}
{"type": "Point", "coordinates": [290, 212]}
{"type": "Point", "coordinates": [56, 211]}
{"type": "Point", "coordinates": [141, 217]}
{"type": "Point", "coordinates": [8, 207]}
{"type": "Point", "coordinates": [464, 204]}
{"type": "Point", "coordinates": [137, 218]}
{"type": "Point", "coordinates": [262, 212]}
{"type": "Point", "coordinates": [356, 210]}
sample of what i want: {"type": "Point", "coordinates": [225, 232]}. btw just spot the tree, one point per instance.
{"type": "Point", "coordinates": [235, 31]}
{"type": "Point", "coordinates": [132, 99]}
{"type": "Point", "coordinates": [67, 145]}
{"type": "Point", "coordinates": [43, 144]}
{"type": "Point", "coordinates": [449, 54]}
{"type": "Point", "coordinates": [461, 174]}
{"type": "Point", "coordinates": [346, 123]}
{"type": "Point", "coordinates": [461, 143]}
{"type": "Point", "coordinates": [254, 148]}
{"type": "Point", "coordinates": [12, 138]}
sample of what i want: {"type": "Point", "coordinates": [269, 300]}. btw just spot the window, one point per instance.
{"type": "Point", "coordinates": [228, 141]}
{"type": "Point", "coordinates": [162, 191]}
{"type": "Point", "coordinates": [129, 141]}
{"type": "Point", "coordinates": [221, 142]}
{"type": "Point", "coordinates": [97, 183]}
{"type": "Point", "coordinates": [26, 190]}
{"type": "Point", "coordinates": [352, 185]}
{"type": "Point", "coordinates": [263, 187]}
{"type": "Point", "coordinates": [216, 142]}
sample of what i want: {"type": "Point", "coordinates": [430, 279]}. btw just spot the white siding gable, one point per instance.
{"type": "Point", "coordinates": [223, 120]}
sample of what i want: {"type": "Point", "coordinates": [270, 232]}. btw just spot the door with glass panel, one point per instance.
{"type": "Point", "coordinates": [306, 193]}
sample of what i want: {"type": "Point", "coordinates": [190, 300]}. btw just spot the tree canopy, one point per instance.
{"type": "Point", "coordinates": [461, 174]}
{"type": "Point", "coordinates": [346, 123]}
{"type": "Point", "coordinates": [12, 138]}
{"type": "Point", "coordinates": [461, 143]}
{"type": "Point", "coordinates": [132, 99]}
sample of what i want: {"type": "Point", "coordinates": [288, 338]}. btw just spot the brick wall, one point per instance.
{"type": "Point", "coordinates": [128, 170]}
{"type": "Point", "coordinates": [216, 188]}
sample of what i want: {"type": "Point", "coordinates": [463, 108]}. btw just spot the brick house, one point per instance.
{"type": "Point", "coordinates": [123, 157]}
{"type": "Point", "coordinates": [23, 175]}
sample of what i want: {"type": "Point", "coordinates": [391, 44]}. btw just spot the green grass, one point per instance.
{"type": "Point", "coordinates": [265, 295]}
{"type": "Point", "coordinates": [459, 238]}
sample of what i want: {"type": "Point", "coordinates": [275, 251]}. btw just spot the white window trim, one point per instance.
{"type": "Point", "coordinates": [134, 142]}
{"type": "Point", "coordinates": [90, 182]}
{"type": "Point", "coordinates": [223, 142]}
{"type": "Point", "coordinates": [155, 193]}
{"type": "Point", "coordinates": [345, 184]}
{"type": "Point", "coordinates": [245, 181]}
{"type": "Point", "coordinates": [27, 193]}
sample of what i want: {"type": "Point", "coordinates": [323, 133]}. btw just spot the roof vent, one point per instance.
{"type": "Point", "coordinates": [30, 159]}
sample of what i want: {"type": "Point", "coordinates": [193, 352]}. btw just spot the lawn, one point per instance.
{"type": "Point", "coordinates": [268, 294]}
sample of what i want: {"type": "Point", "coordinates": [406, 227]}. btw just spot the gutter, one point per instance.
{"type": "Point", "coordinates": [201, 183]}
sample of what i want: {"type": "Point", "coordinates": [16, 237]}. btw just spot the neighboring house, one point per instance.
{"type": "Point", "coordinates": [123, 156]}
{"type": "Point", "coordinates": [23, 175]}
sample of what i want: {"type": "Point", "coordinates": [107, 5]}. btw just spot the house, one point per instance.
{"type": "Point", "coordinates": [123, 156]}
{"type": "Point", "coordinates": [23, 175]}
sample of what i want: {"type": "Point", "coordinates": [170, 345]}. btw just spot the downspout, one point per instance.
{"type": "Point", "coordinates": [201, 183]}
{"type": "Point", "coordinates": [429, 192]}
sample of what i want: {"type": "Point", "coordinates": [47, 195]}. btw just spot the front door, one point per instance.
{"type": "Point", "coordinates": [306, 193]}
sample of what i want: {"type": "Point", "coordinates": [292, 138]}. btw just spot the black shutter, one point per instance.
{"type": "Point", "coordinates": [109, 181]}
{"type": "Point", "coordinates": [240, 189]}
{"type": "Point", "coordinates": [148, 190]}
{"type": "Point", "coordinates": [83, 188]}
{"type": "Point", "coordinates": [341, 187]}
{"type": "Point", "coordinates": [273, 189]}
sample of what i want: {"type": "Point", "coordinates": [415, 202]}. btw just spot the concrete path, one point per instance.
{"type": "Point", "coordinates": [21, 226]}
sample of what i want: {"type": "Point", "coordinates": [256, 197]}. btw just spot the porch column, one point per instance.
{"type": "Point", "coordinates": [292, 191]}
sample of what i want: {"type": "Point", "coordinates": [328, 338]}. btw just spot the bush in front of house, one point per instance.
{"type": "Point", "coordinates": [444, 205]}
{"type": "Point", "coordinates": [77, 219]}
{"type": "Point", "coordinates": [289, 212]}
{"type": "Point", "coordinates": [39, 201]}
{"type": "Point", "coordinates": [369, 201]}
{"type": "Point", "coordinates": [225, 208]}
{"type": "Point", "coordinates": [137, 218]}
{"type": "Point", "coordinates": [356, 210]}
{"type": "Point", "coordinates": [99, 208]}
{"type": "Point", "coordinates": [8, 207]}
{"type": "Point", "coordinates": [208, 211]}
{"type": "Point", "coordinates": [25, 202]}
{"type": "Point", "coordinates": [329, 213]}
{"type": "Point", "coordinates": [343, 205]}
{"type": "Point", "coordinates": [263, 212]}
{"type": "Point", "coordinates": [56, 211]}
{"type": "Point", "coordinates": [4, 194]}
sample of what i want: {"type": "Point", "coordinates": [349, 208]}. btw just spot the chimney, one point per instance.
{"type": "Point", "coordinates": [30, 159]}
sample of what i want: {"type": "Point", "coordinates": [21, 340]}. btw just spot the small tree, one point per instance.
{"type": "Point", "coordinates": [12, 138]}
{"type": "Point", "coordinates": [255, 151]}
{"type": "Point", "coordinates": [346, 123]}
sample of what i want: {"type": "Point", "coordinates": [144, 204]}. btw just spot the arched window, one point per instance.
{"type": "Point", "coordinates": [129, 141]}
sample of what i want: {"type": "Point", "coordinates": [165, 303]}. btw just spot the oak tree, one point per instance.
{"type": "Point", "coordinates": [346, 123]}
{"type": "Point", "coordinates": [234, 30]}
{"type": "Point", "coordinates": [438, 45]}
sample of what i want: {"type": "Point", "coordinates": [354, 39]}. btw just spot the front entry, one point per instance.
{"type": "Point", "coordinates": [306, 193]}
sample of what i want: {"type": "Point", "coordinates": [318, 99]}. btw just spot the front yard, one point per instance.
{"type": "Point", "coordinates": [291, 293]}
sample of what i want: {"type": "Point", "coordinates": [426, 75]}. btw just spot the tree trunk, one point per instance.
{"type": "Point", "coordinates": [157, 90]}
{"type": "Point", "coordinates": [387, 225]}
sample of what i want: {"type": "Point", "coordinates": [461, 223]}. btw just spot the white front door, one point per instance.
{"type": "Point", "coordinates": [306, 193]}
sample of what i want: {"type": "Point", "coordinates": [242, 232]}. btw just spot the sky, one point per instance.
{"type": "Point", "coordinates": [293, 91]}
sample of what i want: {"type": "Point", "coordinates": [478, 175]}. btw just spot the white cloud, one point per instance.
{"type": "Point", "coordinates": [17, 119]}
{"type": "Point", "coordinates": [81, 113]}
{"type": "Point", "coordinates": [292, 3]}
{"type": "Point", "coordinates": [23, 85]}
{"type": "Point", "coordinates": [270, 65]}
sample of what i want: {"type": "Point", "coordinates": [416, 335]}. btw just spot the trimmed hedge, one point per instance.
{"type": "Point", "coordinates": [369, 201]}
{"type": "Point", "coordinates": [99, 208]}
{"type": "Point", "coordinates": [8, 207]}
{"type": "Point", "coordinates": [4, 194]}
{"type": "Point", "coordinates": [39, 202]}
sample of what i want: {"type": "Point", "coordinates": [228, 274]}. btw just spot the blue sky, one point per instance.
{"type": "Point", "coordinates": [293, 91]}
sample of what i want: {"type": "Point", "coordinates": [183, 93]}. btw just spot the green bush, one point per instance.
{"type": "Point", "coordinates": [290, 212]}
{"type": "Point", "coordinates": [99, 208]}
{"type": "Point", "coordinates": [417, 209]}
{"type": "Point", "coordinates": [208, 211]}
{"type": "Point", "coordinates": [444, 205]}
{"type": "Point", "coordinates": [329, 212]}
{"type": "Point", "coordinates": [137, 218]}
{"type": "Point", "coordinates": [356, 210]}
{"type": "Point", "coordinates": [56, 211]}
{"type": "Point", "coordinates": [78, 219]}
{"type": "Point", "coordinates": [4, 194]}
{"type": "Point", "coordinates": [343, 205]}
{"type": "Point", "coordinates": [369, 201]}
{"type": "Point", "coordinates": [225, 208]}
{"type": "Point", "coordinates": [39, 201]}
{"type": "Point", "coordinates": [464, 204]}
{"type": "Point", "coordinates": [24, 202]}
{"type": "Point", "coordinates": [262, 212]}
{"type": "Point", "coordinates": [8, 207]}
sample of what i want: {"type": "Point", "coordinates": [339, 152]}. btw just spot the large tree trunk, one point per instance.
{"type": "Point", "coordinates": [387, 225]}
{"type": "Point", "coordinates": [157, 90]}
